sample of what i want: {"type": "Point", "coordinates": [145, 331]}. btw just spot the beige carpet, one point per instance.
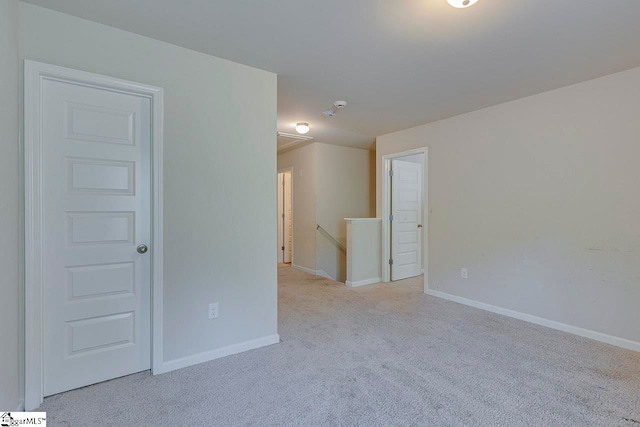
{"type": "Point", "coordinates": [380, 355]}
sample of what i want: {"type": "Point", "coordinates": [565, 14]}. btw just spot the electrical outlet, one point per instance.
{"type": "Point", "coordinates": [213, 310]}
{"type": "Point", "coordinates": [464, 273]}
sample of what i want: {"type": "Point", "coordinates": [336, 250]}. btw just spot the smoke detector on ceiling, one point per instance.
{"type": "Point", "coordinates": [340, 104]}
{"type": "Point", "coordinates": [329, 113]}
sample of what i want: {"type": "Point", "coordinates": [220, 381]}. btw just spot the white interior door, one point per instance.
{"type": "Point", "coordinates": [406, 226]}
{"type": "Point", "coordinates": [96, 211]}
{"type": "Point", "coordinates": [288, 214]}
{"type": "Point", "coordinates": [280, 217]}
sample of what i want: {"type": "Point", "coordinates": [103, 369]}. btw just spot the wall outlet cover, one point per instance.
{"type": "Point", "coordinates": [213, 310]}
{"type": "Point", "coordinates": [464, 273]}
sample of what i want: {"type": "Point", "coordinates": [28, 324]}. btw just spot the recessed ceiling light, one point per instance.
{"type": "Point", "coordinates": [302, 128]}
{"type": "Point", "coordinates": [461, 4]}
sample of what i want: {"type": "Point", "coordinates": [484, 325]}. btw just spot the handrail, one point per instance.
{"type": "Point", "coordinates": [330, 237]}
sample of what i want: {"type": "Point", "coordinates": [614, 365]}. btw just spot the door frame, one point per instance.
{"type": "Point", "coordinates": [386, 211]}
{"type": "Point", "coordinates": [35, 73]}
{"type": "Point", "coordinates": [289, 169]}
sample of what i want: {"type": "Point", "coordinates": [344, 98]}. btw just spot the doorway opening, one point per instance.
{"type": "Point", "coordinates": [285, 216]}
{"type": "Point", "coordinates": [405, 215]}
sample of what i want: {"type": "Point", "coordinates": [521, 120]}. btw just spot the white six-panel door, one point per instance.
{"type": "Point", "coordinates": [406, 227]}
{"type": "Point", "coordinates": [96, 212]}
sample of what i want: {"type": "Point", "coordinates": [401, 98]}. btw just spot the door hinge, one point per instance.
{"type": "Point", "coordinates": [283, 248]}
{"type": "Point", "coordinates": [390, 261]}
{"type": "Point", "coordinates": [391, 173]}
{"type": "Point", "coordinates": [282, 216]}
{"type": "Point", "coordinates": [391, 217]}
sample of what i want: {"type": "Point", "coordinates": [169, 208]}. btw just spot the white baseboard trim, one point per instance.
{"type": "Point", "coordinates": [363, 282]}
{"type": "Point", "coordinates": [587, 333]}
{"type": "Point", "coordinates": [326, 275]}
{"type": "Point", "coordinates": [321, 273]}
{"type": "Point", "coordinates": [305, 269]}
{"type": "Point", "coordinates": [207, 356]}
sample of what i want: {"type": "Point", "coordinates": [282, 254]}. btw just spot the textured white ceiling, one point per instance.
{"type": "Point", "coordinates": [399, 63]}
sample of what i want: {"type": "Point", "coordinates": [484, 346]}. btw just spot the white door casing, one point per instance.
{"type": "Point", "coordinates": [92, 194]}
{"type": "Point", "coordinates": [288, 221]}
{"type": "Point", "coordinates": [406, 227]}
{"type": "Point", "coordinates": [285, 217]}
{"type": "Point", "coordinates": [280, 185]}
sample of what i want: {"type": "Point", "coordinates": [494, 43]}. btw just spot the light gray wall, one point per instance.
{"type": "Point", "coordinates": [364, 244]}
{"type": "Point", "coordinates": [335, 184]}
{"type": "Point", "coordinates": [342, 191]}
{"type": "Point", "coordinates": [372, 183]}
{"type": "Point", "coordinates": [539, 199]}
{"type": "Point", "coordinates": [415, 158]}
{"type": "Point", "coordinates": [10, 352]}
{"type": "Point", "coordinates": [303, 178]}
{"type": "Point", "coordinates": [220, 166]}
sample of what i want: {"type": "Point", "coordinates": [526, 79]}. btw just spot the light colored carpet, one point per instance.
{"type": "Point", "coordinates": [380, 355]}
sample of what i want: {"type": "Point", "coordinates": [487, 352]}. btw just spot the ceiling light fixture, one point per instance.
{"type": "Point", "coordinates": [461, 4]}
{"type": "Point", "coordinates": [302, 128]}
